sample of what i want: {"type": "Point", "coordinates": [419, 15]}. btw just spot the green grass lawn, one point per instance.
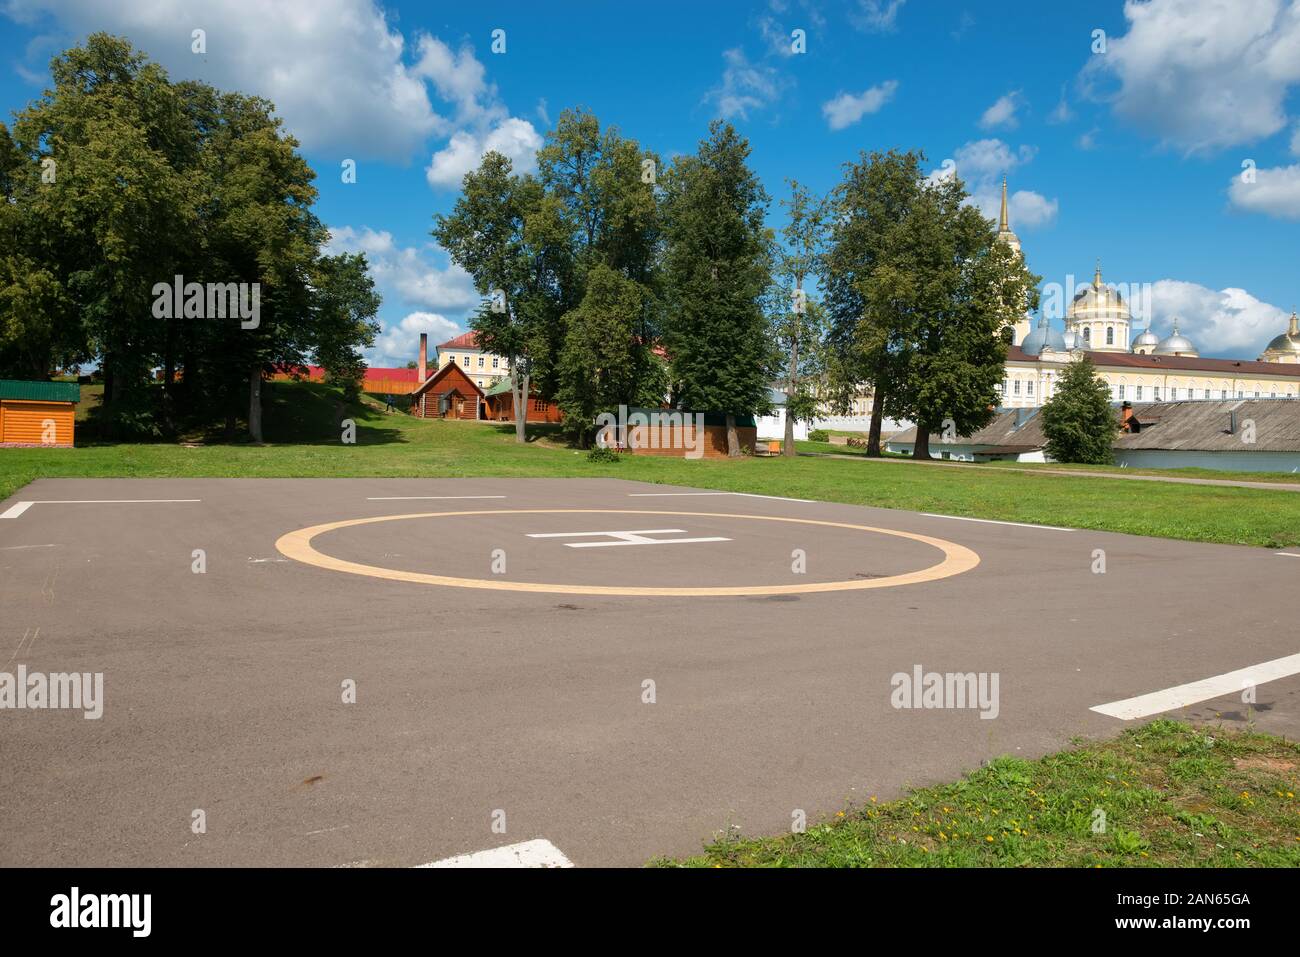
{"type": "Point", "coordinates": [1172, 796]}
{"type": "Point", "coordinates": [303, 441]}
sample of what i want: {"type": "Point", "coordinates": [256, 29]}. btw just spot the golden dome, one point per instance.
{"type": "Point", "coordinates": [1288, 341]}
{"type": "Point", "coordinates": [1097, 301]}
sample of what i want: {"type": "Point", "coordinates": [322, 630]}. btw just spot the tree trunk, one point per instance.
{"type": "Point", "coordinates": [792, 382]}
{"type": "Point", "coordinates": [733, 440]}
{"type": "Point", "coordinates": [519, 390]}
{"type": "Point", "coordinates": [921, 448]}
{"type": "Point", "coordinates": [255, 404]}
{"type": "Point", "coordinates": [877, 416]}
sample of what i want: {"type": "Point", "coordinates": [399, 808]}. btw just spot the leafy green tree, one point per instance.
{"type": "Point", "coordinates": [600, 191]}
{"type": "Point", "coordinates": [866, 331]}
{"type": "Point", "coordinates": [796, 319]}
{"type": "Point", "coordinates": [717, 268]}
{"type": "Point", "coordinates": [106, 204]}
{"type": "Point", "coordinates": [345, 303]}
{"type": "Point", "coordinates": [932, 289]}
{"type": "Point", "coordinates": [960, 286]}
{"type": "Point", "coordinates": [599, 365]}
{"type": "Point", "coordinates": [508, 237]}
{"type": "Point", "coordinates": [1078, 420]}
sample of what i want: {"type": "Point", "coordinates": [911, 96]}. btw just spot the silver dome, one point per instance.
{"type": "Point", "coordinates": [1147, 338]}
{"type": "Point", "coordinates": [1176, 344]}
{"type": "Point", "coordinates": [1043, 337]}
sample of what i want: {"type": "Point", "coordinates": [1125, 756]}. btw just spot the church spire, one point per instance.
{"type": "Point", "coordinates": [1005, 225]}
{"type": "Point", "coordinates": [1096, 277]}
{"type": "Point", "coordinates": [1294, 330]}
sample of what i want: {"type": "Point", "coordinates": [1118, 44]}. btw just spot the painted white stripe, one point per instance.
{"type": "Point", "coordinates": [411, 498]}
{"type": "Point", "coordinates": [538, 853]}
{"type": "Point", "coordinates": [672, 494]}
{"type": "Point", "coordinates": [1288, 554]}
{"type": "Point", "coordinates": [1172, 699]}
{"type": "Point", "coordinates": [990, 521]}
{"type": "Point", "coordinates": [775, 498]}
{"type": "Point", "coordinates": [16, 548]}
{"type": "Point", "coordinates": [15, 510]}
{"type": "Point", "coordinates": [634, 531]}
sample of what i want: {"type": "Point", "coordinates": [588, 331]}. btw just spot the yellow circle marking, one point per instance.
{"type": "Point", "coordinates": [298, 545]}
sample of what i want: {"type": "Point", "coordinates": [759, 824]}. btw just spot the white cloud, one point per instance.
{"type": "Point", "coordinates": [514, 138]}
{"type": "Point", "coordinates": [292, 54]}
{"type": "Point", "coordinates": [1061, 113]}
{"type": "Point", "coordinates": [877, 16]}
{"type": "Point", "coordinates": [981, 164]}
{"type": "Point", "coordinates": [403, 274]}
{"type": "Point", "coordinates": [1027, 209]}
{"type": "Point", "coordinates": [1275, 192]}
{"type": "Point", "coordinates": [981, 159]}
{"type": "Point", "coordinates": [1295, 140]}
{"type": "Point", "coordinates": [1202, 75]}
{"type": "Point", "coordinates": [1219, 322]}
{"type": "Point", "coordinates": [847, 108]}
{"type": "Point", "coordinates": [399, 343]}
{"type": "Point", "coordinates": [1088, 140]}
{"type": "Point", "coordinates": [1003, 112]}
{"type": "Point", "coordinates": [745, 86]}
{"type": "Point", "coordinates": [341, 77]}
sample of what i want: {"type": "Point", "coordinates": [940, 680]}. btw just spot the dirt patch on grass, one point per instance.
{"type": "Point", "coordinates": [1264, 763]}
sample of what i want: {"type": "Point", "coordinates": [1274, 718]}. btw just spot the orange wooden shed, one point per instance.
{"type": "Point", "coordinates": [38, 413]}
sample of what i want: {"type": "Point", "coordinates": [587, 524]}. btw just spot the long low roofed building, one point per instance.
{"type": "Point", "coordinates": [1247, 435]}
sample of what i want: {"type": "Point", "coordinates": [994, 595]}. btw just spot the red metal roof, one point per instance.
{"type": "Point", "coordinates": [1237, 367]}
{"type": "Point", "coordinates": [466, 340]}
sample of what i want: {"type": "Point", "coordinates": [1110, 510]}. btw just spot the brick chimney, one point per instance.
{"type": "Point", "coordinates": [1126, 413]}
{"type": "Point", "coordinates": [424, 355]}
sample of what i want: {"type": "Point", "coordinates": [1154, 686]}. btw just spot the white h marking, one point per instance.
{"type": "Point", "coordinates": [637, 537]}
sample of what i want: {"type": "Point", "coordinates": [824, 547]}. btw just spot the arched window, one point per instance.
{"type": "Point", "coordinates": [1110, 335]}
{"type": "Point", "coordinates": [1087, 334]}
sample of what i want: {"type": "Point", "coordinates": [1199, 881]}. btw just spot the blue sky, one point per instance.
{"type": "Point", "coordinates": [1128, 147]}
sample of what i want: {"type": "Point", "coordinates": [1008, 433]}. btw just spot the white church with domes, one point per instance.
{"type": "Point", "coordinates": [1143, 368]}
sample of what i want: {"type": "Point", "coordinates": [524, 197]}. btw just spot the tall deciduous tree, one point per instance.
{"type": "Point", "coordinates": [505, 233]}
{"type": "Point", "coordinates": [599, 365]}
{"type": "Point", "coordinates": [958, 287]}
{"type": "Point", "coordinates": [1078, 421]}
{"type": "Point", "coordinates": [344, 308]}
{"type": "Point", "coordinates": [717, 267]}
{"type": "Point", "coordinates": [796, 319]}
{"type": "Point", "coordinates": [866, 332]}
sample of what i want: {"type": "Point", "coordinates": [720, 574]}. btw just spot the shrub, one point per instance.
{"type": "Point", "coordinates": [819, 435]}
{"type": "Point", "coordinates": [603, 455]}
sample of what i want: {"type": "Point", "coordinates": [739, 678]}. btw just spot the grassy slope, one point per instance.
{"type": "Point", "coordinates": [1173, 796]}
{"type": "Point", "coordinates": [400, 446]}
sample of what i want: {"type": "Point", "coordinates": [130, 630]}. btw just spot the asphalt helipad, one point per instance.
{"type": "Point", "coordinates": [616, 668]}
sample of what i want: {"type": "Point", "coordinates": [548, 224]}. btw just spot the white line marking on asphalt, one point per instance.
{"type": "Point", "coordinates": [14, 548]}
{"type": "Point", "coordinates": [1288, 554]}
{"type": "Point", "coordinates": [991, 521]}
{"type": "Point", "coordinates": [17, 509]}
{"type": "Point", "coordinates": [411, 498]}
{"type": "Point", "coordinates": [633, 537]}
{"type": "Point", "coordinates": [538, 853]}
{"type": "Point", "coordinates": [1197, 691]}
{"type": "Point", "coordinates": [775, 498]}
{"type": "Point", "coordinates": [671, 494]}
